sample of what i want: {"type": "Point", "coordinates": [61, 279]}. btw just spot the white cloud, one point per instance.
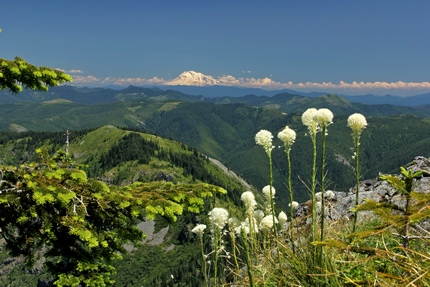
{"type": "Point", "coordinates": [93, 81]}
{"type": "Point", "coordinates": [85, 80]}
{"type": "Point", "coordinates": [264, 83]}
{"type": "Point", "coordinates": [75, 71]}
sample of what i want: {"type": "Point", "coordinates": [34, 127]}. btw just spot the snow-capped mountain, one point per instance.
{"type": "Point", "coordinates": [191, 78]}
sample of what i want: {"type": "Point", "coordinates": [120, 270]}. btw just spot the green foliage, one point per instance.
{"type": "Point", "coordinates": [120, 156]}
{"type": "Point", "coordinates": [225, 132]}
{"type": "Point", "coordinates": [153, 266]}
{"type": "Point", "coordinates": [168, 200]}
{"type": "Point", "coordinates": [79, 223]}
{"type": "Point", "coordinates": [388, 249]}
{"type": "Point", "coordinates": [53, 206]}
{"type": "Point", "coordinates": [16, 74]}
{"type": "Point", "coordinates": [392, 248]}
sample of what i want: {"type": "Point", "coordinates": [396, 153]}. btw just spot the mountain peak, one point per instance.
{"type": "Point", "coordinates": [192, 78]}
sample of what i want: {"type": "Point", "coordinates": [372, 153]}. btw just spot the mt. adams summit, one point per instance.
{"type": "Point", "coordinates": [191, 78]}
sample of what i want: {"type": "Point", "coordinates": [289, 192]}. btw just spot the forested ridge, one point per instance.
{"type": "Point", "coordinates": [180, 134]}
{"type": "Point", "coordinates": [123, 154]}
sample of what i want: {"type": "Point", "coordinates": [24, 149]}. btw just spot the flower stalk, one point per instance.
{"type": "Point", "coordinates": [264, 138]}
{"type": "Point", "coordinates": [288, 137]}
{"type": "Point", "coordinates": [357, 122]}
{"type": "Point", "coordinates": [309, 120]}
{"type": "Point", "coordinates": [198, 230]}
{"type": "Point", "coordinates": [324, 118]}
{"type": "Point", "coordinates": [218, 218]}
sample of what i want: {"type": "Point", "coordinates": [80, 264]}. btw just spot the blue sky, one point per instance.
{"type": "Point", "coordinates": [339, 46]}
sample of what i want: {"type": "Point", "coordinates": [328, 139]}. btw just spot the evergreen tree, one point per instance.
{"type": "Point", "coordinates": [50, 209]}
{"type": "Point", "coordinates": [17, 74]}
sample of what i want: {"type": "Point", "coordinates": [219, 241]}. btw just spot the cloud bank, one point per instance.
{"type": "Point", "coordinates": [378, 87]}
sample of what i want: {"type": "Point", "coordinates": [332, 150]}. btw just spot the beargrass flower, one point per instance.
{"type": "Point", "coordinates": [244, 226]}
{"type": "Point", "coordinates": [282, 217]}
{"type": "Point", "coordinates": [199, 229]}
{"type": "Point", "coordinates": [293, 205]}
{"type": "Point", "coordinates": [266, 192]}
{"type": "Point", "coordinates": [249, 200]}
{"type": "Point", "coordinates": [233, 222]}
{"type": "Point", "coordinates": [264, 138]}
{"type": "Point", "coordinates": [324, 117]}
{"type": "Point", "coordinates": [258, 215]}
{"type": "Point", "coordinates": [288, 137]}
{"type": "Point", "coordinates": [309, 120]}
{"type": "Point", "coordinates": [218, 217]}
{"type": "Point", "coordinates": [267, 222]}
{"type": "Point", "coordinates": [357, 122]}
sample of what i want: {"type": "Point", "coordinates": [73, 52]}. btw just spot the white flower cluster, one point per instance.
{"type": "Point", "coordinates": [266, 192]}
{"type": "Point", "coordinates": [308, 119]}
{"type": "Point", "coordinates": [264, 138]}
{"type": "Point", "coordinates": [199, 229]}
{"type": "Point", "coordinates": [324, 117]}
{"type": "Point", "coordinates": [293, 205]}
{"type": "Point", "coordinates": [267, 222]}
{"type": "Point", "coordinates": [314, 119]}
{"type": "Point", "coordinates": [246, 228]}
{"type": "Point", "coordinates": [357, 122]}
{"type": "Point", "coordinates": [288, 136]}
{"type": "Point", "coordinates": [233, 223]}
{"type": "Point", "coordinates": [258, 215]}
{"type": "Point", "coordinates": [249, 199]}
{"type": "Point", "coordinates": [218, 217]}
{"type": "Point", "coordinates": [282, 217]}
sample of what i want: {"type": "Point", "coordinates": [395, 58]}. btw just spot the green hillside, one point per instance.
{"type": "Point", "coordinates": [73, 108]}
{"type": "Point", "coordinates": [119, 156]}
{"type": "Point", "coordinates": [226, 132]}
{"type": "Point", "coordinates": [224, 129]}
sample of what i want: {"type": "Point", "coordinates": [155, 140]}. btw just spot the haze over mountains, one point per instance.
{"type": "Point", "coordinates": [197, 84]}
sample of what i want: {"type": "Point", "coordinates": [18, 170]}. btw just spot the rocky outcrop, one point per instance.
{"type": "Point", "coordinates": [339, 206]}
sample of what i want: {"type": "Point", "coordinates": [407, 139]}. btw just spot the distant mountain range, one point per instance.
{"type": "Point", "coordinates": [192, 93]}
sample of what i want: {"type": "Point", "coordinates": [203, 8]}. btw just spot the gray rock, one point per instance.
{"type": "Point", "coordinates": [378, 190]}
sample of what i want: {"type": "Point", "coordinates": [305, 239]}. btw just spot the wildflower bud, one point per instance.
{"type": "Point", "coordinates": [357, 122]}
{"type": "Point", "coordinates": [288, 136]}
{"type": "Point", "coordinates": [218, 217]}
{"type": "Point", "coordinates": [264, 138]}
{"type": "Point", "coordinates": [249, 199]}
{"type": "Point", "coordinates": [267, 222]}
{"type": "Point", "coordinates": [258, 215]}
{"type": "Point", "coordinates": [309, 120]}
{"type": "Point", "coordinates": [282, 217]}
{"type": "Point", "coordinates": [199, 229]}
{"type": "Point", "coordinates": [293, 205]}
{"type": "Point", "coordinates": [324, 117]}
{"type": "Point", "coordinates": [266, 191]}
